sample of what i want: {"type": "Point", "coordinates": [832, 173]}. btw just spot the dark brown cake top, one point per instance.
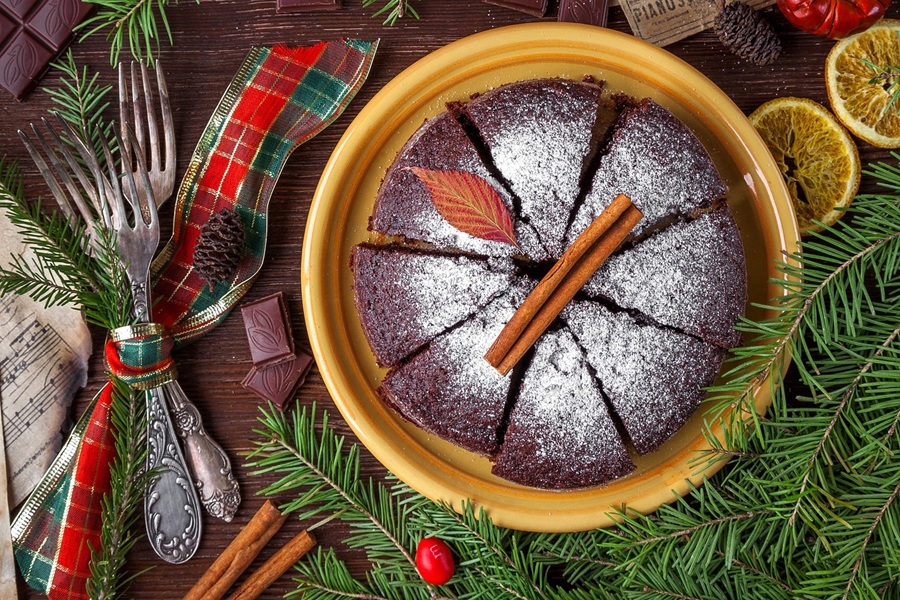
{"type": "Point", "coordinates": [560, 432]}
{"type": "Point", "coordinates": [691, 276]}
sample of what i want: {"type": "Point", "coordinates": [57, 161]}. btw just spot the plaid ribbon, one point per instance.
{"type": "Point", "coordinates": [279, 98]}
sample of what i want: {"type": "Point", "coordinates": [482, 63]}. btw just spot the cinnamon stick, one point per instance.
{"type": "Point", "coordinates": [275, 567]}
{"type": "Point", "coordinates": [577, 264]}
{"type": "Point", "coordinates": [239, 554]}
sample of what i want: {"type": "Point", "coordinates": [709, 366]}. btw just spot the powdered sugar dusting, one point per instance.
{"type": "Point", "coordinates": [404, 207]}
{"type": "Point", "coordinates": [449, 389]}
{"type": "Point", "coordinates": [539, 136]}
{"type": "Point", "coordinates": [560, 433]}
{"type": "Point", "coordinates": [653, 377]}
{"type": "Point", "coordinates": [405, 297]}
{"type": "Point", "coordinates": [691, 276]}
{"type": "Point", "coordinates": [658, 162]}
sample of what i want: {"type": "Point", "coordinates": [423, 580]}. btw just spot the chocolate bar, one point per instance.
{"type": "Point", "coordinates": [589, 12]}
{"type": "Point", "coordinates": [32, 33]}
{"type": "Point", "coordinates": [537, 8]}
{"type": "Point", "coordinates": [288, 6]}
{"type": "Point", "coordinates": [268, 327]}
{"type": "Point", "coordinates": [279, 382]}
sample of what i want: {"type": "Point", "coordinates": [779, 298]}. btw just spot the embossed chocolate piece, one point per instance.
{"type": "Point", "coordinates": [32, 33]}
{"type": "Point", "coordinates": [284, 6]}
{"type": "Point", "coordinates": [279, 382]}
{"type": "Point", "coordinates": [537, 8]}
{"type": "Point", "coordinates": [589, 12]}
{"type": "Point", "coordinates": [268, 327]}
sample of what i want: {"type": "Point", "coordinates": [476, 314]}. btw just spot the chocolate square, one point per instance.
{"type": "Point", "coordinates": [278, 383]}
{"type": "Point", "coordinates": [19, 8]}
{"type": "Point", "coordinates": [21, 63]}
{"type": "Point", "coordinates": [536, 8]}
{"type": "Point", "coordinates": [289, 6]}
{"type": "Point", "coordinates": [268, 327]}
{"type": "Point", "coordinates": [7, 27]}
{"type": "Point", "coordinates": [54, 20]}
{"type": "Point", "coordinates": [589, 12]}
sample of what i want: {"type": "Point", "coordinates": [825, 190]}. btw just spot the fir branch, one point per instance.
{"type": "Point", "coordinates": [393, 10]}
{"type": "Point", "coordinates": [313, 465]}
{"type": "Point", "coordinates": [122, 505]}
{"type": "Point", "coordinates": [137, 25]}
{"type": "Point", "coordinates": [81, 101]}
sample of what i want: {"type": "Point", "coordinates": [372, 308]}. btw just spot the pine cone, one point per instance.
{"type": "Point", "coordinates": [220, 247]}
{"type": "Point", "coordinates": [745, 32]}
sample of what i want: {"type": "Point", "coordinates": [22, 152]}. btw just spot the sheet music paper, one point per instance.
{"type": "Point", "coordinates": [43, 362]}
{"type": "Point", "coordinates": [8, 589]}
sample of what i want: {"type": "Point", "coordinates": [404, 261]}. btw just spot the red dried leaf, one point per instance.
{"type": "Point", "coordinates": [469, 203]}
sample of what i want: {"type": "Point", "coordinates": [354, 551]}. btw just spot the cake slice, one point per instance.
{"type": "Point", "coordinates": [540, 136]}
{"type": "Point", "coordinates": [691, 276]}
{"type": "Point", "coordinates": [654, 159]}
{"type": "Point", "coordinates": [403, 205]}
{"type": "Point", "coordinates": [560, 433]}
{"type": "Point", "coordinates": [406, 297]}
{"type": "Point", "coordinates": [448, 389]}
{"type": "Point", "coordinates": [653, 377]}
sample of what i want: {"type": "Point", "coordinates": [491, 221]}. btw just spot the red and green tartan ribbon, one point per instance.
{"type": "Point", "coordinates": [280, 98]}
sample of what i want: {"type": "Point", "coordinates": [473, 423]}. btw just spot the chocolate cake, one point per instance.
{"type": "Point", "coordinates": [560, 432]}
{"type": "Point", "coordinates": [448, 389]}
{"type": "Point", "coordinates": [691, 276]}
{"type": "Point", "coordinates": [405, 297]}
{"type": "Point", "coordinates": [403, 206]}
{"type": "Point", "coordinates": [532, 128]}
{"type": "Point", "coordinates": [653, 376]}
{"type": "Point", "coordinates": [654, 159]}
{"type": "Point", "coordinates": [625, 365]}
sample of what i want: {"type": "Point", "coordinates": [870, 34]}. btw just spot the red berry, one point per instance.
{"type": "Point", "coordinates": [434, 561]}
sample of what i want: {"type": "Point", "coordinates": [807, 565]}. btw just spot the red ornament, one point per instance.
{"type": "Point", "coordinates": [833, 18]}
{"type": "Point", "coordinates": [434, 561]}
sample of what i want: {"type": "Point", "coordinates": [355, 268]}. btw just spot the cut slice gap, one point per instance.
{"type": "Point", "coordinates": [447, 389]}
{"type": "Point", "coordinates": [653, 378]}
{"type": "Point", "coordinates": [406, 297]}
{"type": "Point", "coordinates": [555, 131]}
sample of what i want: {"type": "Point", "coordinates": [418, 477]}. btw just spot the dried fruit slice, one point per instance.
{"type": "Point", "coordinates": [859, 74]}
{"type": "Point", "coordinates": [816, 155]}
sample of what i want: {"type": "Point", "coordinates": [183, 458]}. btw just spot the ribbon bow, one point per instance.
{"type": "Point", "coordinates": [279, 98]}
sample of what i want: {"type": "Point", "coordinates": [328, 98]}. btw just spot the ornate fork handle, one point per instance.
{"type": "Point", "coordinates": [171, 506]}
{"type": "Point", "coordinates": [219, 491]}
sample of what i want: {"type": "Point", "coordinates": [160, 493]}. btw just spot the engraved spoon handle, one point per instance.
{"type": "Point", "coordinates": [207, 461]}
{"type": "Point", "coordinates": [171, 506]}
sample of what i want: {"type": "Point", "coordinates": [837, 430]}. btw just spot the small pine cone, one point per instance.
{"type": "Point", "coordinates": [745, 32]}
{"type": "Point", "coordinates": [220, 247]}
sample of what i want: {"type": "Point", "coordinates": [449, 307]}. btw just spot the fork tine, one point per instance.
{"type": "Point", "coordinates": [138, 122]}
{"type": "Point", "coordinates": [143, 204]}
{"type": "Point", "coordinates": [167, 121]}
{"type": "Point", "coordinates": [114, 193]}
{"type": "Point", "coordinates": [44, 169]}
{"type": "Point", "coordinates": [124, 118]}
{"type": "Point", "coordinates": [74, 168]}
{"type": "Point", "coordinates": [89, 156]}
{"type": "Point", "coordinates": [152, 132]}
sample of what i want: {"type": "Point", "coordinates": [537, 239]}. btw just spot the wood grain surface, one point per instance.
{"type": "Point", "coordinates": [210, 40]}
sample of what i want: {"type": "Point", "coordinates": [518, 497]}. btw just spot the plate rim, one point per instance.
{"type": "Point", "coordinates": [566, 37]}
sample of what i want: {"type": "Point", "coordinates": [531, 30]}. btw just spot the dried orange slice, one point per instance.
{"type": "Point", "coordinates": [862, 75]}
{"type": "Point", "coordinates": [816, 155]}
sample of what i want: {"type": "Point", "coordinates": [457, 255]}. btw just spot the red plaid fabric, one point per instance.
{"type": "Point", "coordinates": [280, 98]}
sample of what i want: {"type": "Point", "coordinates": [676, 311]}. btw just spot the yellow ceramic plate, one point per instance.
{"type": "Point", "coordinates": [345, 197]}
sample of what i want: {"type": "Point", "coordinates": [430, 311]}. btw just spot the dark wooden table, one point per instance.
{"type": "Point", "coordinates": [210, 40]}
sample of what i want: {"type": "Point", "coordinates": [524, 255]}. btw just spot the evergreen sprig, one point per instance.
{"type": "Point", "coordinates": [68, 267]}
{"type": "Point", "coordinates": [393, 10]}
{"type": "Point", "coordinates": [135, 25]}
{"type": "Point", "coordinates": [122, 506]}
{"type": "Point", "coordinates": [807, 507]}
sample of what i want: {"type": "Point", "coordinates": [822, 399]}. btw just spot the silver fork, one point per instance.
{"type": "Point", "coordinates": [132, 115]}
{"type": "Point", "coordinates": [210, 465]}
{"type": "Point", "coordinates": [171, 504]}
